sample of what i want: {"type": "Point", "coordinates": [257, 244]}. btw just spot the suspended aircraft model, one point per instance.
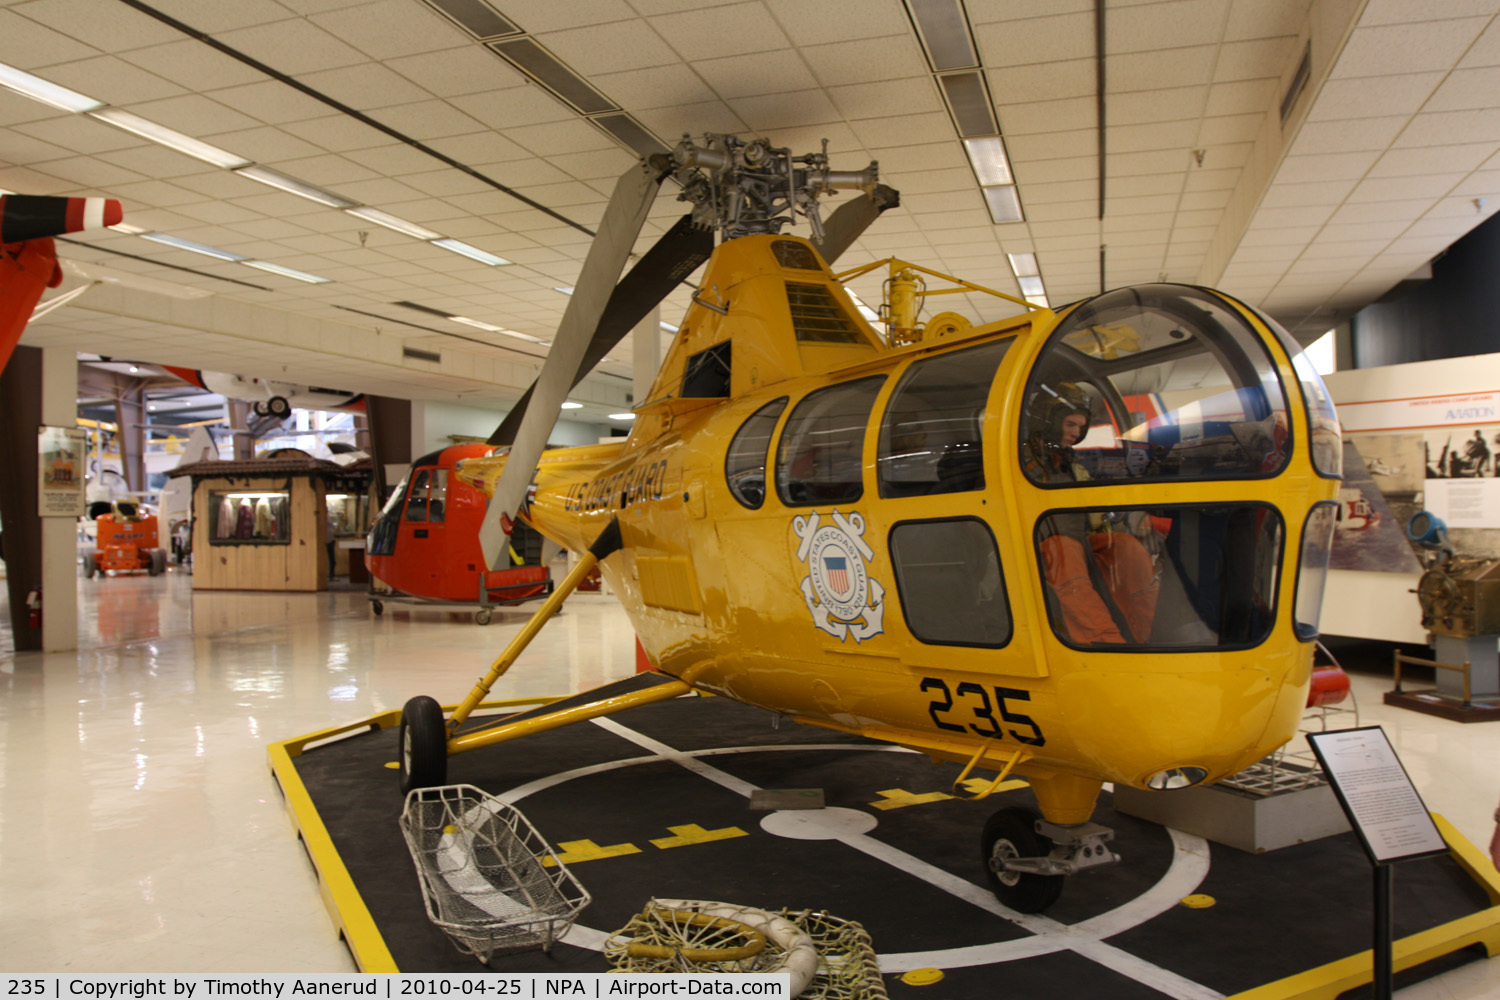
{"type": "Point", "coordinates": [28, 257]}
{"type": "Point", "coordinates": [1081, 546]}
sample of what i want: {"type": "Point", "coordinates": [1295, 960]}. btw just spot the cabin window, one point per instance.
{"type": "Point", "coordinates": [796, 255]}
{"type": "Point", "coordinates": [819, 460]}
{"type": "Point", "coordinates": [1150, 383]}
{"type": "Point", "coordinates": [707, 373]}
{"type": "Point", "coordinates": [931, 439]}
{"type": "Point", "coordinates": [1312, 568]}
{"type": "Point", "coordinates": [382, 538]}
{"type": "Point", "coordinates": [948, 576]}
{"type": "Point", "coordinates": [745, 465]}
{"type": "Point", "coordinates": [1182, 577]}
{"type": "Point", "coordinates": [817, 316]}
{"type": "Point", "coordinates": [1322, 421]}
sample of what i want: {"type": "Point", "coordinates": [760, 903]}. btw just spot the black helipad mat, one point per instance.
{"type": "Point", "coordinates": [915, 880]}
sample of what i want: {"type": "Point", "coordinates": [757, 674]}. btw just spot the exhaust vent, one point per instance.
{"type": "Point", "coordinates": [475, 16]}
{"type": "Point", "coordinates": [945, 33]}
{"type": "Point", "coordinates": [543, 67]}
{"type": "Point", "coordinates": [415, 354]}
{"type": "Point", "coordinates": [969, 100]}
{"type": "Point", "coordinates": [631, 132]}
{"type": "Point", "coordinates": [1299, 81]}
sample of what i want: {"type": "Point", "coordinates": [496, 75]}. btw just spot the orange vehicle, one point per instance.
{"type": "Point", "coordinates": [127, 541]}
{"type": "Point", "coordinates": [425, 543]}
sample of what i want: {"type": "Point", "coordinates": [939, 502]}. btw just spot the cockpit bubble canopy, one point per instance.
{"type": "Point", "coordinates": [1176, 383]}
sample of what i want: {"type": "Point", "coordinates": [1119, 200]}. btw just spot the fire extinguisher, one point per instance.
{"type": "Point", "coordinates": [34, 608]}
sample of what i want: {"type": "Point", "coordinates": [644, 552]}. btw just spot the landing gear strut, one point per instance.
{"type": "Point", "coordinates": [1026, 858]}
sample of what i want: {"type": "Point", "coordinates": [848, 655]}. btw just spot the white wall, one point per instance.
{"type": "Point", "coordinates": [432, 422]}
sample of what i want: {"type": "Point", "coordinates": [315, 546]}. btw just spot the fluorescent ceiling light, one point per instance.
{"type": "Point", "coordinates": [292, 185]}
{"type": "Point", "coordinates": [475, 323]}
{"type": "Point", "coordinates": [864, 310]}
{"type": "Point", "coordinates": [1004, 204]}
{"type": "Point", "coordinates": [622, 416]}
{"type": "Point", "coordinates": [570, 405]}
{"type": "Point", "coordinates": [991, 165]}
{"type": "Point", "coordinates": [311, 279]}
{"type": "Point", "coordinates": [1023, 264]}
{"type": "Point", "coordinates": [565, 289]}
{"type": "Point", "coordinates": [38, 89]}
{"type": "Point", "coordinates": [471, 252]}
{"type": "Point", "coordinates": [1031, 285]}
{"type": "Point", "coordinates": [182, 244]}
{"type": "Point", "coordinates": [1039, 300]}
{"type": "Point", "coordinates": [669, 327]}
{"type": "Point", "coordinates": [128, 229]}
{"type": "Point", "coordinates": [389, 221]}
{"type": "Point", "coordinates": [169, 138]}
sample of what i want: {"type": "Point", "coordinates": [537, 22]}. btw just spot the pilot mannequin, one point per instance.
{"type": "Point", "coordinates": [1057, 419]}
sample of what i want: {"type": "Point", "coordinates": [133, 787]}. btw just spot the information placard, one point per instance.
{"type": "Point", "coordinates": [1377, 795]}
{"type": "Point", "coordinates": [60, 454]}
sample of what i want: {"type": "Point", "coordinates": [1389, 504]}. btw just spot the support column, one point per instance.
{"type": "Point", "coordinates": [21, 543]}
{"type": "Point", "coordinates": [646, 354]}
{"type": "Point", "coordinates": [239, 424]}
{"type": "Point", "coordinates": [130, 421]}
{"type": "Point", "coordinates": [390, 440]}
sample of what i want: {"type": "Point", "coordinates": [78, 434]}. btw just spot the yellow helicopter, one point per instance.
{"type": "Point", "coordinates": [1080, 546]}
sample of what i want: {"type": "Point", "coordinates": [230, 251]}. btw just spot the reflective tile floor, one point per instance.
{"type": "Point", "coordinates": [141, 830]}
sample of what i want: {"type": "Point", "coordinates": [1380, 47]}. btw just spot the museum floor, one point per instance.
{"type": "Point", "coordinates": [141, 830]}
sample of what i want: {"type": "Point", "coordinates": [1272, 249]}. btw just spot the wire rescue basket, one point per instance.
{"type": "Point", "coordinates": [489, 879]}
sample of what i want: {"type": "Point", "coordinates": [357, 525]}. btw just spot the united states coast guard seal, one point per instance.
{"type": "Point", "coordinates": [840, 595]}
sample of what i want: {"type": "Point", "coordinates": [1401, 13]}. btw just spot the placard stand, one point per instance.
{"type": "Point", "coordinates": [1386, 813]}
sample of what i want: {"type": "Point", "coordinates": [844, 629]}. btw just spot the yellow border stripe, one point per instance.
{"type": "Point", "coordinates": [341, 898]}
{"type": "Point", "coordinates": [1328, 981]}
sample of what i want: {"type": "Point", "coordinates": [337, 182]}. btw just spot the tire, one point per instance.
{"type": "Point", "coordinates": [1011, 833]}
{"type": "Point", "coordinates": [158, 562]}
{"type": "Point", "coordinates": [423, 739]}
{"type": "Point", "coordinates": [482, 616]}
{"type": "Point", "coordinates": [378, 608]}
{"type": "Point", "coordinates": [91, 564]}
{"type": "Point", "coordinates": [277, 406]}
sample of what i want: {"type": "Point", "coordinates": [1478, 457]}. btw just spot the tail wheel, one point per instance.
{"type": "Point", "coordinates": [1011, 833]}
{"type": "Point", "coordinates": [423, 738]}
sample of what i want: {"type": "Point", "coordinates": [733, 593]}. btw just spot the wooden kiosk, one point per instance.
{"type": "Point", "coordinates": [265, 524]}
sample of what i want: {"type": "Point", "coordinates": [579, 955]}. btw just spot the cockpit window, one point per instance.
{"type": "Point", "coordinates": [1153, 382]}
{"type": "Point", "coordinates": [931, 437]}
{"type": "Point", "coordinates": [1171, 577]}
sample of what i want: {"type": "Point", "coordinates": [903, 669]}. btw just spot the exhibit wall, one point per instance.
{"type": "Point", "coordinates": [1419, 436]}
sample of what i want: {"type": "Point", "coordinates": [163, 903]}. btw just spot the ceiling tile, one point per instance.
{"type": "Point", "coordinates": [1432, 159]}
{"type": "Point", "coordinates": [608, 48]}
{"type": "Point", "coordinates": [699, 34]}
{"type": "Point", "coordinates": [1171, 25]}
{"type": "Point", "coordinates": [897, 57]}
{"type": "Point", "coordinates": [1147, 106]}
{"type": "Point", "coordinates": [1050, 116]}
{"type": "Point", "coordinates": [1452, 128]}
{"type": "Point", "coordinates": [1256, 59]}
{"type": "Point", "coordinates": [1347, 135]}
{"type": "Point", "coordinates": [1191, 67]}
{"type": "Point", "coordinates": [292, 46]}
{"type": "Point", "coordinates": [386, 29]}
{"type": "Point", "coordinates": [753, 75]}
{"type": "Point", "coordinates": [775, 112]}
{"type": "Point", "coordinates": [28, 44]}
{"type": "Point", "coordinates": [1406, 48]}
{"type": "Point", "coordinates": [1021, 84]}
{"type": "Point", "coordinates": [1035, 40]}
{"type": "Point", "coordinates": [886, 98]}
{"type": "Point", "coordinates": [1404, 93]}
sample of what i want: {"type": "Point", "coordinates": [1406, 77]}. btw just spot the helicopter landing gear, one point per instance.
{"type": "Point", "coordinates": [423, 738]}
{"type": "Point", "coordinates": [1026, 858]}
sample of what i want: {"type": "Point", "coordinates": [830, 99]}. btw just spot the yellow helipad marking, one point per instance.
{"type": "Point", "coordinates": [393, 765]}
{"type": "Point", "coordinates": [571, 852]}
{"type": "Point", "coordinates": [900, 798]}
{"type": "Point", "coordinates": [692, 833]}
{"type": "Point", "coordinates": [922, 977]}
{"type": "Point", "coordinates": [1198, 901]}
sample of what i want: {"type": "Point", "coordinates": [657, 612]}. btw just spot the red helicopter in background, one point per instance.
{"type": "Point", "coordinates": [425, 542]}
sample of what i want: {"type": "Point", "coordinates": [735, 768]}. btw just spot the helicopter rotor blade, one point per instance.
{"type": "Point", "coordinates": [679, 252]}
{"type": "Point", "coordinates": [622, 222]}
{"type": "Point", "coordinates": [852, 218]}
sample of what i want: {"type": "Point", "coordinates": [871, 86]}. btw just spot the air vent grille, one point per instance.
{"type": "Point", "coordinates": [475, 17]}
{"type": "Point", "coordinates": [817, 316]}
{"type": "Point", "coordinates": [1299, 81]}
{"type": "Point", "coordinates": [543, 67]}
{"type": "Point", "coordinates": [969, 100]}
{"type": "Point", "coordinates": [419, 355]}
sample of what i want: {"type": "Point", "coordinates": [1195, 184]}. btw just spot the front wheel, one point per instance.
{"type": "Point", "coordinates": [423, 738]}
{"type": "Point", "coordinates": [1011, 833]}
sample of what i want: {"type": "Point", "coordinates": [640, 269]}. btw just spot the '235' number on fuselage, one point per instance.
{"type": "Point", "coordinates": [976, 699]}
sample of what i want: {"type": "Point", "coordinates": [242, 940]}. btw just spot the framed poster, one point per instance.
{"type": "Point", "coordinates": [60, 478]}
{"type": "Point", "coordinates": [1377, 795]}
